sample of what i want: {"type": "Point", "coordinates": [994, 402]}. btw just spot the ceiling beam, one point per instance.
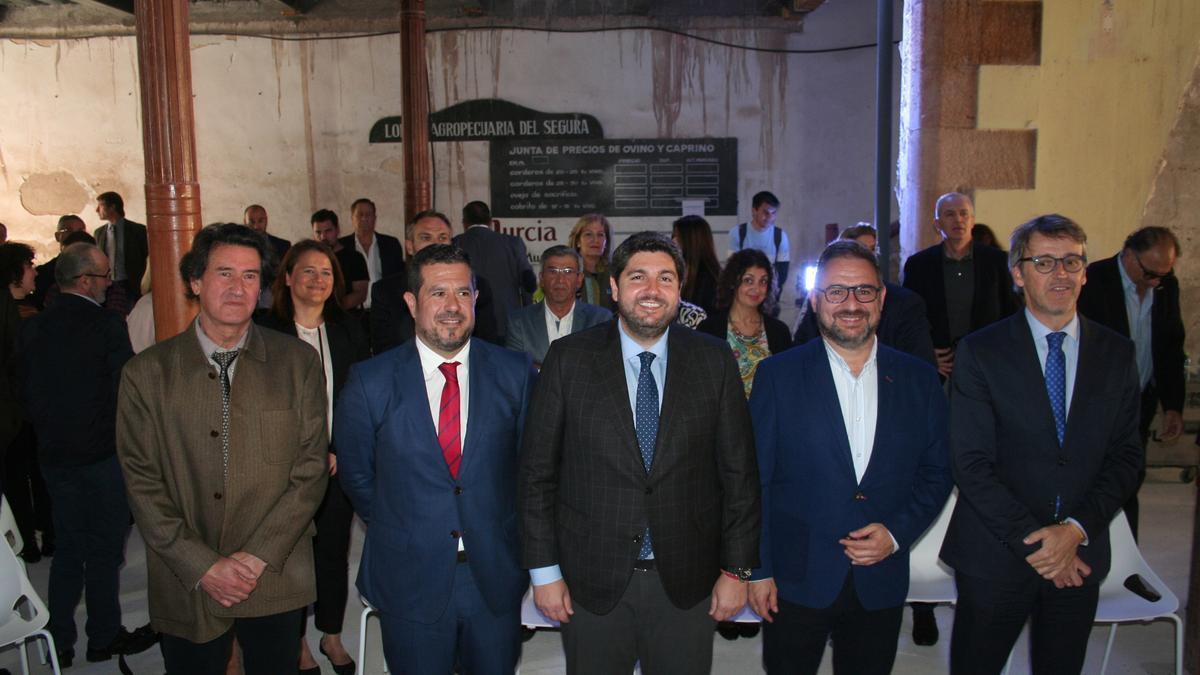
{"type": "Point", "coordinates": [125, 7]}
{"type": "Point", "coordinates": [292, 6]}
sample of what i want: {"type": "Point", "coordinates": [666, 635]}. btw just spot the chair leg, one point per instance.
{"type": "Point", "coordinates": [24, 657]}
{"type": "Point", "coordinates": [362, 640]}
{"type": "Point", "coordinates": [1178, 642]}
{"type": "Point", "coordinates": [1112, 637]}
{"type": "Point", "coordinates": [51, 652]}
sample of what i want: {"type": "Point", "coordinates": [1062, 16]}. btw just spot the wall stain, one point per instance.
{"type": "Point", "coordinates": [306, 73]}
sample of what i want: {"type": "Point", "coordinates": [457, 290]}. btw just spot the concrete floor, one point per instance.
{"type": "Point", "coordinates": [1166, 539]}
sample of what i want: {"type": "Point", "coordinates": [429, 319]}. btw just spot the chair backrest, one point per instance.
{"type": "Point", "coordinates": [8, 526]}
{"type": "Point", "coordinates": [1126, 557]}
{"type": "Point", "coordinates": [923, 560]}
{"type": "Point", "coordinates": [15, 587]}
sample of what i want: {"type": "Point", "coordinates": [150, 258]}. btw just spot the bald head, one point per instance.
{"type": "Point", "coordinates": [255, 217]}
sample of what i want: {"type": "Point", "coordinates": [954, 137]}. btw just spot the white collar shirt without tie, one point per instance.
{"type": "Point", "coordinates": [858, 398]}
{"type": "Point", "coordinates": [435, 382]}
{"type": "Point", "coordinates": [556, 327]}
{"type": "Point", "coordinates": [374, 265]}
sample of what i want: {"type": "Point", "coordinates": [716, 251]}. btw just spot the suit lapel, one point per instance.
{"type": "Point", "coordinates": [478, 409]}
{"type": "Point", "coordinates": [1090, 372]}
{"type": "Point", "coordinates": [609, 370]}
{"type": "Point", "coordinates": [885, 404]}
{"type": "Point", "coordinates": [414, 400]}
{"type": "Point", "coordinates": [677, 386]}
{"type": "Point", "coordinates": [820, 381]}
{"type": "Point", "coordinates": [537, 330]}
{"type": "Point", "coordinates": [1029, 369]}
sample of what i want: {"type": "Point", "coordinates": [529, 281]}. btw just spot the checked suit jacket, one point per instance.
{"type": "Point", "coordinates": [585, 496]}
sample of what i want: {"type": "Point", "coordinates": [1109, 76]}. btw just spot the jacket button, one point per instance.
{"type": "Point", "coordinates": [212, 376]}
{"type": "Point", "coordinates": [214, 433]}
{"type": "Point", "coordinates": [860, 497]}
{"type": "Point", "coordinates": [637, 539]}
{"type": "Point", "coordinates": [455, 534]}
{"type": "Point", "coordinates": [216, 495]}
{"type": "Point", "coordinates": [457, 490]}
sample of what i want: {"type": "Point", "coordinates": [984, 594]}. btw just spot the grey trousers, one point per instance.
{"type": "Point", "coordinates": [644, 627]}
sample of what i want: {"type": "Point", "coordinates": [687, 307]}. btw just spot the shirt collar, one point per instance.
{"type": "Point", "coordinates": [1126, 282]}
{"type": "Point", "coordinates": [430, 360]}
{"type": "Point", "coordinates": [630, 348]}
{"type": "Point", "coordinates": [836, 360]}
{"type": "Point", "coordinates": [969, 256]}
{"type": "Point", "coordinates": [208, 346]}
{"type": "Point", "coordinates": [554, 317]}
{"type": "Point", "coordinates": [85, 297]}
{"type": "Point", "coordinates": [1040, 330]}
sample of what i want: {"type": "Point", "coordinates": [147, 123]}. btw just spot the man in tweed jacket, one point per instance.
{"type": "Point", "coordinates": [225, 502]}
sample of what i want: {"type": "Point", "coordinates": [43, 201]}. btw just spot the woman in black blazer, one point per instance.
{"type": "Point", "coordinates": [307, 304]}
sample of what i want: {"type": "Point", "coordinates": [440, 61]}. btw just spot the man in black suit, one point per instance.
{"type": "Point", "coordinates": [383, 253]}
{"type": "Point", "coordinates": [1045, 449]}
{"type": "Point", "coordinates": [639, 493]}
{"type": "Point", "coordinates": [1136, 294]}
{"type": "Point", "coordinates": [498, 258]}
{"type": "Point", "coordinates": [69, 367]}
{"type": "Point", "coordinates": [125, 244]}
{"type": "Point", "coordinates": [902, 326]}
{"type": "Point", "coordinates": [966, 286]}
{"type": "Point", "coordinates": [255, 217]}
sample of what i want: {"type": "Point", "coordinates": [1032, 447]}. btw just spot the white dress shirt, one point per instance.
{"type": "Point", "coordinates": [858, 398]}
{"type": "Point", "coordinates": [374, 266]}
{"type": "Point", "coordinates": [435, 382]}
{"type": "Point", "coordinates": [556, 327]}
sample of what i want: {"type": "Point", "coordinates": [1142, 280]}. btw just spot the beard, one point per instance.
{"type": "Point", "coordinates": [645, 327]}
{"type": "Point", "coordinates": [842, 338]}
{"type": "Point", "coordinates": [447, 339]}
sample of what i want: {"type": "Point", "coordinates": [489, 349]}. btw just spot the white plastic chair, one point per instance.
{"type": "Point", "coordinates": [16, 593]}
{"type": "Point", "coordinates": [367, 611]}
{"type": "Point", "coordinates": [1118, 604]}
{"type": "Point", "coordinates": [929, 579]}
{"type": "Point", "coordinates": [8, 526]}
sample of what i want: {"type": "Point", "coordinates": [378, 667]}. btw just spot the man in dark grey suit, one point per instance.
{"type": "Point", "coordinates": [500, 259]}
{"type": "Point", "coordinates": [531, 329]}
{"type": "Point", "coordinates": [125, 244]}
{"type": "Point", "coordinates": [638, 490]}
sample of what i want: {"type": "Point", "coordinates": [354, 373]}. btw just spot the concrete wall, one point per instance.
{"type": "Point", "coordinates": [285, 124]}
{"type": "Point", "coordinates": [1104, 100]}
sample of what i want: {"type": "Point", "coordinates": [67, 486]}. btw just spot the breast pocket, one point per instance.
{"type": "Point", "coordinates": [279, 435]}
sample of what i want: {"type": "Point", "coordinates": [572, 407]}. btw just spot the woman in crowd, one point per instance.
{"type": "Point", "coordinates": [306, 303]}
{"type": "Point", "coordinates": [744, 293]}
{"type": "Point", "coordinates": [695, 240]}
{"type": "Point", "coordinates": [592, 237]}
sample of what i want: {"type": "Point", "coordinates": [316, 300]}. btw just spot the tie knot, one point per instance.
{"type": "Point", "coordinates": [1055, 340]}
{"type": "Point", "coordinates": [223, 359]}
{"type": "Point", "coordinates": [450, 370]}
{"type": "Point", "coordinates": [647, 358]}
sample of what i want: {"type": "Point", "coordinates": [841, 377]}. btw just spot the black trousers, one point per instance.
{"type": "Point", "coordinates": [1149, 408]}
{"type": "Point", "coordinates": [268, 647]}
{"type": "Point", "coordinates": [864, 641]}
{"type": "Point", "coordinates": [991, 613]}
{"type": "Point", "coordinates": [331, 559]}
{"type": "Point", "coordinates": [643, 628]}
{"type": "Point", "coordinates": [25, 489]}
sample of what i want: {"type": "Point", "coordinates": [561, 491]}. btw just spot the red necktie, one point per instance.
{"type": "Point", "coordinates": [448, 421]}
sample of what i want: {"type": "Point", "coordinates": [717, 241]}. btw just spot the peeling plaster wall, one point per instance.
{"type": "Point", "coordinates": [285, 124]}
{"type": "Point", "coordinates": [1103, 101]}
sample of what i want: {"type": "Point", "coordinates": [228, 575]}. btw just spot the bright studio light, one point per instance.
{"type": "Point", "coordinates": [810, 277]}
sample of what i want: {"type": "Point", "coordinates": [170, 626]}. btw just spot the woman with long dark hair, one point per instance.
{"type": "Point", "coordinates": [307, 303]}
{"type": "Point", "coordinates": [695, 240]}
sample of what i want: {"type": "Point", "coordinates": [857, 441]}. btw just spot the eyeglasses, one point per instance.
{"type": "Point", "coordinates": [1046, 263]}
{"type": "Point", "coordinates": [1151, 275]}
{"type": "Point", "coordinates": [836, 295]}
{"type": "Point", "coordinates": [561, 271]}
{"type": "Point", "coordinates": [93, 274]}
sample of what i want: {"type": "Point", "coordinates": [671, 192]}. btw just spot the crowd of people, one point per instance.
{"type": "Point", "coordinates": [632, 431]}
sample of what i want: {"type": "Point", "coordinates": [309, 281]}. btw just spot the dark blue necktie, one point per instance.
{"type": "Point", "coordinates": [1056, 382]}
{"type": "Point", "coordinates": [645, 423]}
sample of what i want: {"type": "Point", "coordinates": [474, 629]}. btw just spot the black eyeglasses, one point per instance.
{"type": "Point", "coordinates": [836, 295]}
{"type": "Point", "coordinates": [1046, 263]}
{"type": "Point", "coordinates": [93, 274]}
{"type": "Point", "coordinates": [1151, 275]}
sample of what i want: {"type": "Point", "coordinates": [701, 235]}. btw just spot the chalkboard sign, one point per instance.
{"type": "Point", "coordinates": [616, 177]}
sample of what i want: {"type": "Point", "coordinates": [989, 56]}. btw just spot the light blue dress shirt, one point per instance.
{"type": "Point", "coordinates": [1137, 311]}
{"type": "Point", "coordinates": [630, 350]}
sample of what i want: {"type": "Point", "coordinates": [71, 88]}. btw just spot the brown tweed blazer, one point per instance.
{"type": "Point", "coordinates": [168, 441]}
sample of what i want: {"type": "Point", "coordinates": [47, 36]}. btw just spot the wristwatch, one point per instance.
{"type": "Point", "coordinates": [739, 573]}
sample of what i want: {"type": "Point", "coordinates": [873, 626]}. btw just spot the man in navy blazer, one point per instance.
{"type": "Point", "coordinates": [852, 455]}
{"type": "Point", "coordinates": [1045, 449]}
{"type": "Point", "coordinates": [428, 435]}
{"type": "Point", "coordinates": [531, 329]}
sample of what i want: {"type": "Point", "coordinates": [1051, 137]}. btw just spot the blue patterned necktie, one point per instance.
{"type": "Point", "coordinates": [1056, 382]}
{"type": "Point", "coordinates": [645, 423]}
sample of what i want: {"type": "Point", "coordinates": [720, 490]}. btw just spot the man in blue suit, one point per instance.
{"type": "Point", "coordinates": [428, 434]}
{"type": "Point", "coordinates": [531, 329]}
{"type": "Point", "coordinates": [853, 458]}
